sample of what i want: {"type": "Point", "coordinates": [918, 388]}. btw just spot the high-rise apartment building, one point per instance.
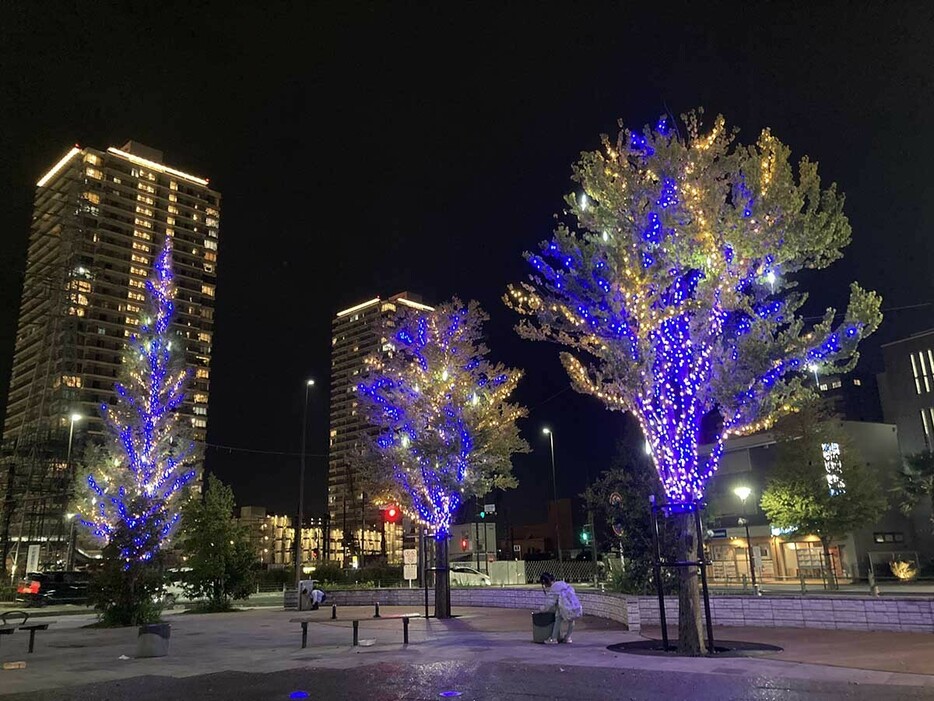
{"type": "Point", "coordinates": [100, 218]}
{"type": "Point", "coordinates": [356, 333]}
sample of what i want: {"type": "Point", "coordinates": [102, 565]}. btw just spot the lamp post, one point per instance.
{"type": "Point", "coordinates": [70, 556]}
{"type": "Point", "coordinates": [743, 494]}
{"type": "Point", "coordinates": [301, 498]}
{"type": "Point", "coordinates": [813, 368]}
{"type": "Point", "coordinates": [554, 483]}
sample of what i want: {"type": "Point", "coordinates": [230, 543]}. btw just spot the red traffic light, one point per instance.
{"type": "Point", "coordinates": [391, 514]}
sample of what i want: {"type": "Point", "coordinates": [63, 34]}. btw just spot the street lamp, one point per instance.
{"type": "Point", "coordinates": [813, 368]}
{"type": "Point", "coordinates": [70, 556]}
{"type": "Point", "coordinates": [301, 496]}
{"type": "Point", "coordinates": [743, 493]}
{"type": "Point", "coordinates": [554, 483]}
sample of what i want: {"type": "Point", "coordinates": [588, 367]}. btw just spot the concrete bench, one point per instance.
{"type": "Point", "coordinates": [356, 626]}
{"type": "Point", "coordinates": [7, 628]}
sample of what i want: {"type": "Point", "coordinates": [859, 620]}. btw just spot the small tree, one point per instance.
{"type": "Point", "coordinates": [219, 554]}
{"type": "Point", "coordinates": [916, 482]}
{"type": "Point", "coordinates": [672, 289]}
{"type": "Point", "coordinates": [821, 485]}
{"type": "Point", "coordinates": [445, 430]}
{"type": "Point", "coordinates": [619, 500]}
{"type": "Point", "coordinates": [135, 491]}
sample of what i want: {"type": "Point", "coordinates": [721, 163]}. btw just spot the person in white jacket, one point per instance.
{"type": "Point", "coordinates": [560, 598]}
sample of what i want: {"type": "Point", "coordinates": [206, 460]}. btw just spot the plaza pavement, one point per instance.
{"type": "Point", "coordinates": [483, 654]}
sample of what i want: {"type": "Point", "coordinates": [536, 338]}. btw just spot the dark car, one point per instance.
{"type": "Point", "coordinates": [42, 588]}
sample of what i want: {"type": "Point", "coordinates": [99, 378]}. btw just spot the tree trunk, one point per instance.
{"type": "Point", "coordinates": [690, 626]}
{"type": "Point", "coordinates": [442, 580]}
{"type": "Point", "coordinates": [828, 563]}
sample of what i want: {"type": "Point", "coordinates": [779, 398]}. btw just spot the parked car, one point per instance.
{"type": "Point", "coordinates": [43, 588]}
{"type": "Point", "coordinates": [466, 576]}
{"type": "Point", "coordinates": [173, 590]}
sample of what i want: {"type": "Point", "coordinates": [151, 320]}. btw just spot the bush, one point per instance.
{"type": "Point", "coordinates": [275, 577]}
{"type": "Point", "coordinates": [126, 597]}
{"type": "Point", "coordinates": [328, 574]}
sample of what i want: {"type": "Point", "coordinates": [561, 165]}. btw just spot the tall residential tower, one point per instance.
{"type": "Point", "coordinates": [356, 333]}
{"type": "Point", "coordinates": [99, 219]}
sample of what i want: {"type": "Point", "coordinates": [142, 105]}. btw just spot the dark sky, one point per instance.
{"type": "Point", "coordinates": [363, 149]}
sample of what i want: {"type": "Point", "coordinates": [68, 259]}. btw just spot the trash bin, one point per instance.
{"type": "Point", "coordinates": [153, 640]}
{"type": "Point", "coordinates": [542, 625]}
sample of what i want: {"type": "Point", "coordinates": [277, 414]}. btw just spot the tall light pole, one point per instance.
{"type": "Point", "coordinates": [554, 484]}
{"type": "Point", "coordinates": [301, 497]}
{"type": "Point", "coordinates": [743, 493]}
{"type": "Point", "coordinates": [70, 556]}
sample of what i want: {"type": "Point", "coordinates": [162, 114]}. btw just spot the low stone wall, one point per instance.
{"type": "Point", "coordinates": [904, 614]}
{"type": "Point", "coordinates": [612, 606]}
{"type": "Point", "coordinates": [841, 613]}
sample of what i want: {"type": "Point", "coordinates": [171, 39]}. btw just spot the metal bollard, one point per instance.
{"type": "Point", "coordinates": [873, 587]}
{"type": "Point", "coordinates": [356, 633]}
{"type": "Point", "coordinates": [333, 611]}
{"type": "Point", "coordinates": [405, 631]}
{"type": "Point", "coordinates": [376, 615]}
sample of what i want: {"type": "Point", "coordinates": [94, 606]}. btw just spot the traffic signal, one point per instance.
{"type": "Point", "coordinates": [391, 514]}
{"type": "Point", "coordinates": [482, 515]}
{"type": "Point", "coordinates": [464, 544]}
{"type": "Point", "coordinates": [585, 535]}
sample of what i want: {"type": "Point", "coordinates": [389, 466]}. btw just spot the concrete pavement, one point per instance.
{"type": "Point", "coordinates": [485, 653]}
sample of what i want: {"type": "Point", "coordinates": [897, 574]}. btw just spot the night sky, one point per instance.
{"type": "Point", "coordinates": [366, 149]}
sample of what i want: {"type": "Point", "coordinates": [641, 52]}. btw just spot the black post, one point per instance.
{"type": "Point", "coordinates": [304, 635]}
{"type": "Point", "coordinates": [356, 633]}
{"type": "Point", "coordinates": [333, 611]}
{"type": "Point", "coordinates": [405, 631]}
{"type": "Point", "coordinates": [658, 576]}
{"type": "Point", "coordinates": [424, 559]}
{"type": "Point", "coordinates": [376, 615]}
{"type": "Point", "coordinates": [702, 565]}
{"type": "Point", "coordinates": [752, 562]}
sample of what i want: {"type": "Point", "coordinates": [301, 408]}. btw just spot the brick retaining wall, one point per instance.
{"type": "Point", "coordinates": [840, 613]}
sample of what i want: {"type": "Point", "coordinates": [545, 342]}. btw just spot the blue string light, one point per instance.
{"type": "Point", "coordinates": [137, 494]}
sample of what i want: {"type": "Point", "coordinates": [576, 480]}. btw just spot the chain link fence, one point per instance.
{"type": "Point", "coordinates": [569, 570]}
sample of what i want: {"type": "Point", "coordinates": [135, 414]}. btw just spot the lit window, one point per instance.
{"type": "Point", "coordinates": [142, 222]}
{"type": "Point", "coordinates": [208, 243]}
{"type": "Point", "coordinates": [132, 321]}
{"type": "Point", "coordinates": [117, 180]}
{"type": "Point", "coordinates": [94, 173]}
{"type": "Point", "coordinates": [136, 258]}
{"type": "Point", "coordinates": [145, 235]}
{"type": "Point", "coordinates": [92, 159]}
{"type": "Point", "coordinates": [173, 209]}
{"type": "Point", "coordinates": [137, 246]}
{"type": "Point", "coordinates": [132, 308]}
{"type": "Point", "coordinates": [836, 384]}
{"type": "Point", "coordinates": [924, 372]}
{"type": "Point", "coordinates": [145, 211]}
{"type": "Point", "coordinates": [71, 380]}
{"type": "Point", "coordinates": [209, 268]}
{"type": "Point", "coordinates": [200, 398]}
{"type": "Point", "coordinates": [170, 220]}
{"type": "Point", "coordinates": [823, 388]}
{"type": "Point", "coordinates": [92, 197]}
{"type": "Point", "coordinates": [173, 198]}
{"type": "Point", "coordinates": [857, 383]}
{"type": "Point", "coordinates": [137, 283]}
{"type": "Point", "coordinates": [199, 423]}
{"type": "Point", "coordinates": [202, 373]}
{"type": "Point", "coordinates": [145, 200]}
{"type": "Point", "coordinates": [201, 410]}
{"type": "Point", "coordinates": [210, 256]}
{"type": "Point", "coordinates": [137, 271]}
{"type": "Point", "coordinates": [207, 290]}
{"type": "Point", "coordinates": [210, 221]}
{"type": "Point", "coordinates": [173, 185]}
{"type": "Point", "coordinates": [147, 188]}
{"type": "Point", "coordinates": [210, 211]}
{"type": "Point", "coordinates": [204, 336]}
{"type": "Point", "coordinates": [135, 295]}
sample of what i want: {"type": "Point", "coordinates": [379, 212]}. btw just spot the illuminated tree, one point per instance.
{"type": "Point", "coordinates": [445, 429]}
{"type": "Point", "coordinates": [674, 296]}
{"type": "Point", "coordinates": [134, 495]}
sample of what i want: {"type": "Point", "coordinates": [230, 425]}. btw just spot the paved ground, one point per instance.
{"type": "Point", "coordinates": [484, 654]}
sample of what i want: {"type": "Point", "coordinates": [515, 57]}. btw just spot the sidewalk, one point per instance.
{"type": "Point", "coordinates": [264, 642]}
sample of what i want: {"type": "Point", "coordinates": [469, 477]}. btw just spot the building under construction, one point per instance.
{"type": "Point", "coordinates": [100, 218]}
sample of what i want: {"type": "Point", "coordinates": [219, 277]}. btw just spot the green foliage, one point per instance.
{"type": "Point", "coordinates": [126, 593]}
{"type": "Point", "coordinates": [628, 521]}
{"type": "Point", "coordinates": [804, 495]}
{"type": "Point", "coordinates": [916, 482]}
{"type": "Point", "coordinates": [219, 553]}
{"type": "Point", "coordinates": [328, 574]}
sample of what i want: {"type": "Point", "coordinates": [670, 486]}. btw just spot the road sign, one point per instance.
{"type": "Point", "coordinates": [410, 557]}
{"type": "Point", "coordinates": [517, 548]}
{"type": "Point", "coordinates": [718, 533]}
{"type": "Point", "coordinates": [490, 508]}
{"type": "Point", "coordinates": [410, 572]}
